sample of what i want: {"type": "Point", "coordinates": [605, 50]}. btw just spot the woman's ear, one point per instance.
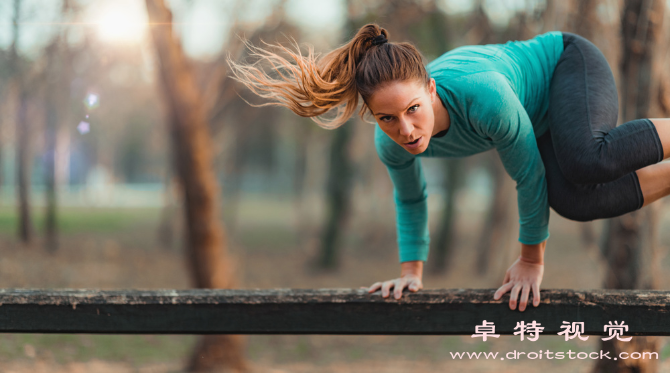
{"type": "Point", "coordinates": [432, 89]}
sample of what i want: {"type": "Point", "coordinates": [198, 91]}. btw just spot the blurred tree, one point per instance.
{"type": "Point", "coordinates": [584, 19]}
{"type": "Point", "coordinates": [338, 195]}
{"type": "Point", "coordinates": [340, 178]}
{"type": "Point", "coordinates": [210, 264]}
{"type": "Point", "coordinates": [478, 26]}
{"type": "Point", "coordinates": [242, 137]}
{"type": "Point", "coordinates": [167, 226]}
{"type": "Point", "coordinates": [22, 132]}
{"type": "Point", "coordinates": [496, 232]}
{"type": "Point", "coordinates": [629, 241]}
{"type": "Point", "coordinates": [53, 101]}
{"type": "Point", "coordinates": [26, 85]}
{"type": "Point", "coordinates": [5, 95]}
{"type": "Point", "coordinates": [442, 249]}
{"type": "Point", "coordinates": [58, 75]}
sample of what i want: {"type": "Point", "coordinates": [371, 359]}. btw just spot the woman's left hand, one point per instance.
{"type": "Point", "coordinates": [522, 276]}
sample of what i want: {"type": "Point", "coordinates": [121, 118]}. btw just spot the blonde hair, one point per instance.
{"type": "Point", "coordinates": [313, 87]}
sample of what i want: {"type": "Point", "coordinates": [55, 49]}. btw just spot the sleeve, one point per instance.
{"type": "Point", "coordinates": [497, 112]}
{"type": "Point", "coordinates": [409, 191]}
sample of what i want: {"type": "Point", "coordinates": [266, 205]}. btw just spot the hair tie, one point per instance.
{"type": "Point", "coordinates": [377, 40]}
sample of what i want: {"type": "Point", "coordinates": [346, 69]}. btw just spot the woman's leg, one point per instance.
{"type": "Point", "coordinates": [663, 129]}
{"type": "Point", "coordinates": [585, 202]}
{"type": "Point", "coordinates": [655, 179]}
{"type": "Point", "coordinates": [583, 110]}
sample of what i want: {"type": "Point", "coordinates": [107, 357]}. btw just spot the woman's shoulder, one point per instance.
{"type": "Point", "coordinates": [486, 86]}
{"type": "Point", "coordinates": [469, 59]}
{"type": "Point", "coordinates": [481, 100]}
{"type": "Point", "coordinates": [465, 59]}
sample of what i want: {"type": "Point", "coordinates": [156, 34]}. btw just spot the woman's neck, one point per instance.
{"type": "Point", "coordinates": [442, 120]}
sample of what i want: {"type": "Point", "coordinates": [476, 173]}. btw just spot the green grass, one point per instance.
{"type": "Point", "coordinates": [82, 220]}
{"type": "Point", "coordinates": [271, 237]}
{"type": "Point", "coordinates": [665, 352]}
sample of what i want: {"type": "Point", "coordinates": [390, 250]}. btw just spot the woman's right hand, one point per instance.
{"type": "Point", "coordinates": [410, 278]}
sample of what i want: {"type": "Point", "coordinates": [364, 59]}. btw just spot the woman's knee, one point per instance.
{"type": "Point", "coordinates": [573, 212]}
{"type": "Point", "coordinates": [570, 205]}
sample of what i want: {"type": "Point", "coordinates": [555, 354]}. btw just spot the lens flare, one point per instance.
{"type": "Point", "coordinates": [121, 21]}
{"type": "Point", "coordinates": [83, 127]}
{"type": "Point", "coordinates": [92, 101]}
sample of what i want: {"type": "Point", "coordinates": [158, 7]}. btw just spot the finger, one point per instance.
{"type": "Point", "coordinates": [415, 285]}
{"type": "Point", "coordinates": [502, 290]}
{"type": "Point", "coordinates": [375, 287]}
{"type": "Point", "coordinates": [399, 285]}
{"type": "Point", "coordinates": [524, 297]}
{"type": "Point", "coordinates": [536, 294]}
{"type": "Point", "coordinates": [514, 295]}
{"type": "Point", "coordinates": [506, 279]}
{"type": "Point", "coordinates": [386, 287]}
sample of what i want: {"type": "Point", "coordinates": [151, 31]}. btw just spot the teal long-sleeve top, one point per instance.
{"type": "Point", "coordinates": [497, 96]}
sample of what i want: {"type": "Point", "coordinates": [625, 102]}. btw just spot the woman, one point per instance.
{"type": "Point", "coordinates": [548, 106]}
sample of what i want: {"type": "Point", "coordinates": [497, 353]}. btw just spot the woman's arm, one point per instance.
{"type": "Point", "coordinates": [409, 191]}
{"type": "Point", "coordinates": [410, 196]}
{"type": "Point", "coordinates": [496, 112]}
{"type": "Point", "coordinates": [533, 254]}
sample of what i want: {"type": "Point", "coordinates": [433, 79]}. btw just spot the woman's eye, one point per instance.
{"type": "Point", "coordinates": [412, 108]}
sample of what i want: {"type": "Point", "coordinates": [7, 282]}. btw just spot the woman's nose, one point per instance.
{"type": "Point", "coordinates": [406, 128]}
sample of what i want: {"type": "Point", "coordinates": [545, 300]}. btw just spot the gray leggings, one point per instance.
{"type": "Point", "coordinates": [589, 160]}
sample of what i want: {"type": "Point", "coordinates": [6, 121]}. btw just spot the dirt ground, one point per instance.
{"type": "Point", "coordinates": [273, 253]}
{"type": "Point", "coordinates": [372, 366]}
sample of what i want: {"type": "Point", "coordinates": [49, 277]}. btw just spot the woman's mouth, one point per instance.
{"type": "Point", "coordinates": [414, 144]}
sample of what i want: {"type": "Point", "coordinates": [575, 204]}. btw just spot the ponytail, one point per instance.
{"type": "Point", "coordinates": [313, 87]}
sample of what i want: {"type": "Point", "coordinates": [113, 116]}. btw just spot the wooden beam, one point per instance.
{"type": "Point", "coordinates": [324, 311]}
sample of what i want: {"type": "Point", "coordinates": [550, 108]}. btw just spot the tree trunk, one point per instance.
{"type": "Point", "coordinates": [4, 93]}
{"type": "Point", "coordinates": [56, 108]}
{"type": "Point", "coordinates": [627, 248]}
{"type": "Point", "coordinates": [51, 122]}
{"type": "Point", "coordinates": [340, 179]}
{"type": "Point", "coordinates": [494, 236]}
{"type": "Point", "coordinates": [207, 256]}
{"type": "Point", "coordinates": [242, 149]}
{"type": "Point", "coordinates": [443, 246]}
{"type": "Point", "coordinates": [23, 166]}
{"type": "Point", "coordinates": [22, 137]}
{"type": "Point", "coordinates": [166, 227]}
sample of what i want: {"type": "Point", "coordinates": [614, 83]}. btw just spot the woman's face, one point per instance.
{"type": "Point", "coordinates": [404, 111]}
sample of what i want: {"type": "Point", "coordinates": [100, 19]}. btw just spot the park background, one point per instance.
{"type": "Point", "coordinates": [96, 163]}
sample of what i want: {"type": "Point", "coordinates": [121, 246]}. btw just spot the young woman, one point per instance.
{"type": "Point", "coordinates": [548, 106]}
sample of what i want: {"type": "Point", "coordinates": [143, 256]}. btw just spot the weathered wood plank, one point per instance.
{"type": "Point", "coordinates": [324, 311]}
